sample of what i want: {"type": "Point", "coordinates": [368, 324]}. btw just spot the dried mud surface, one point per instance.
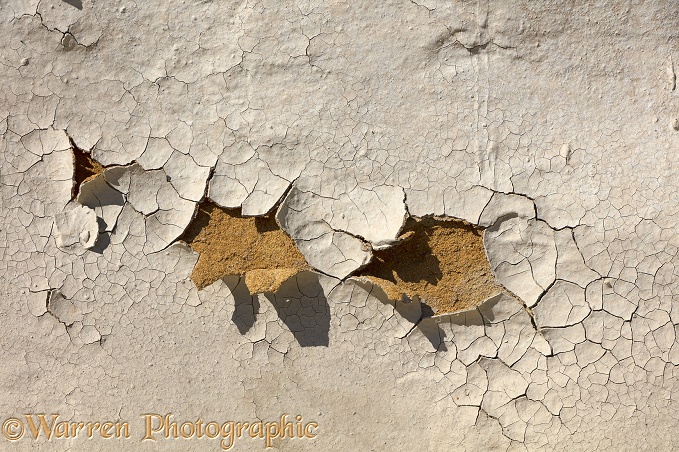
{"type": "Point", "coordinates": [440, 260]}
{"type": "Point", "coordinates": [230, 244]}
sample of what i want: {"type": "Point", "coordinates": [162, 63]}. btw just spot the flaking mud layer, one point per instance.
{"type": "Point", "coordinates": [440, 260]}
{"type": "Point", "coordinates": [231, 244]}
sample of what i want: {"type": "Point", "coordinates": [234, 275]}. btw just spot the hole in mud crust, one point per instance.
{"type": "Point", "coordinates": [440, 260]}
{"type": "Point", "coordinates": [231, 244]}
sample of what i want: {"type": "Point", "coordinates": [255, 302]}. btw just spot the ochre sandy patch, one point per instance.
{"type": "Point", "coordinates": [230, 244]}
{"type": "Point", "coordinates": [441, 260]}
{"type": "Point", "coordinates": [84, 168]}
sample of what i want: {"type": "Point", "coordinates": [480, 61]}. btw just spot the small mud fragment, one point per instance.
{"type": "Point", "coordinates": [440, 260]}
{"type": "Point", "coordinates": [230, 244]}
{"type": "Point", "coordinates": [84, 168]}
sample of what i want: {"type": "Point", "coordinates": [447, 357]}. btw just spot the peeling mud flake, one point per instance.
{"type": "Point", "coordinates": [440, 260]}
{"type": "Point", "coordinates": [76, 226]}
{"type": "Point", "coordinates": [231, 244]}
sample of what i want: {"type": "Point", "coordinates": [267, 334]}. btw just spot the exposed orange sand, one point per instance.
{"type": "Point", "coordinates": [440, 260]}
{"type": "Point", "coordinates": [230, 244]}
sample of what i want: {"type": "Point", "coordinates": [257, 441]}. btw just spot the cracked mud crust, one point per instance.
{"type": "Point", "coordinates": [230, 244]}
{"type": "Point", "coordinates": [441, 260]}
{"type": "Point", "coordinates": [550, 124]}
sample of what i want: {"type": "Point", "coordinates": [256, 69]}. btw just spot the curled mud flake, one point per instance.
{"type": "Point", "coordinates": [440, 260]}
{"type": "Point", "coordinates": [85, 168]}
{"type": "Point", "coordinates": [231, 244]}
{"type": "Point", "coordinates": [77, 226]}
